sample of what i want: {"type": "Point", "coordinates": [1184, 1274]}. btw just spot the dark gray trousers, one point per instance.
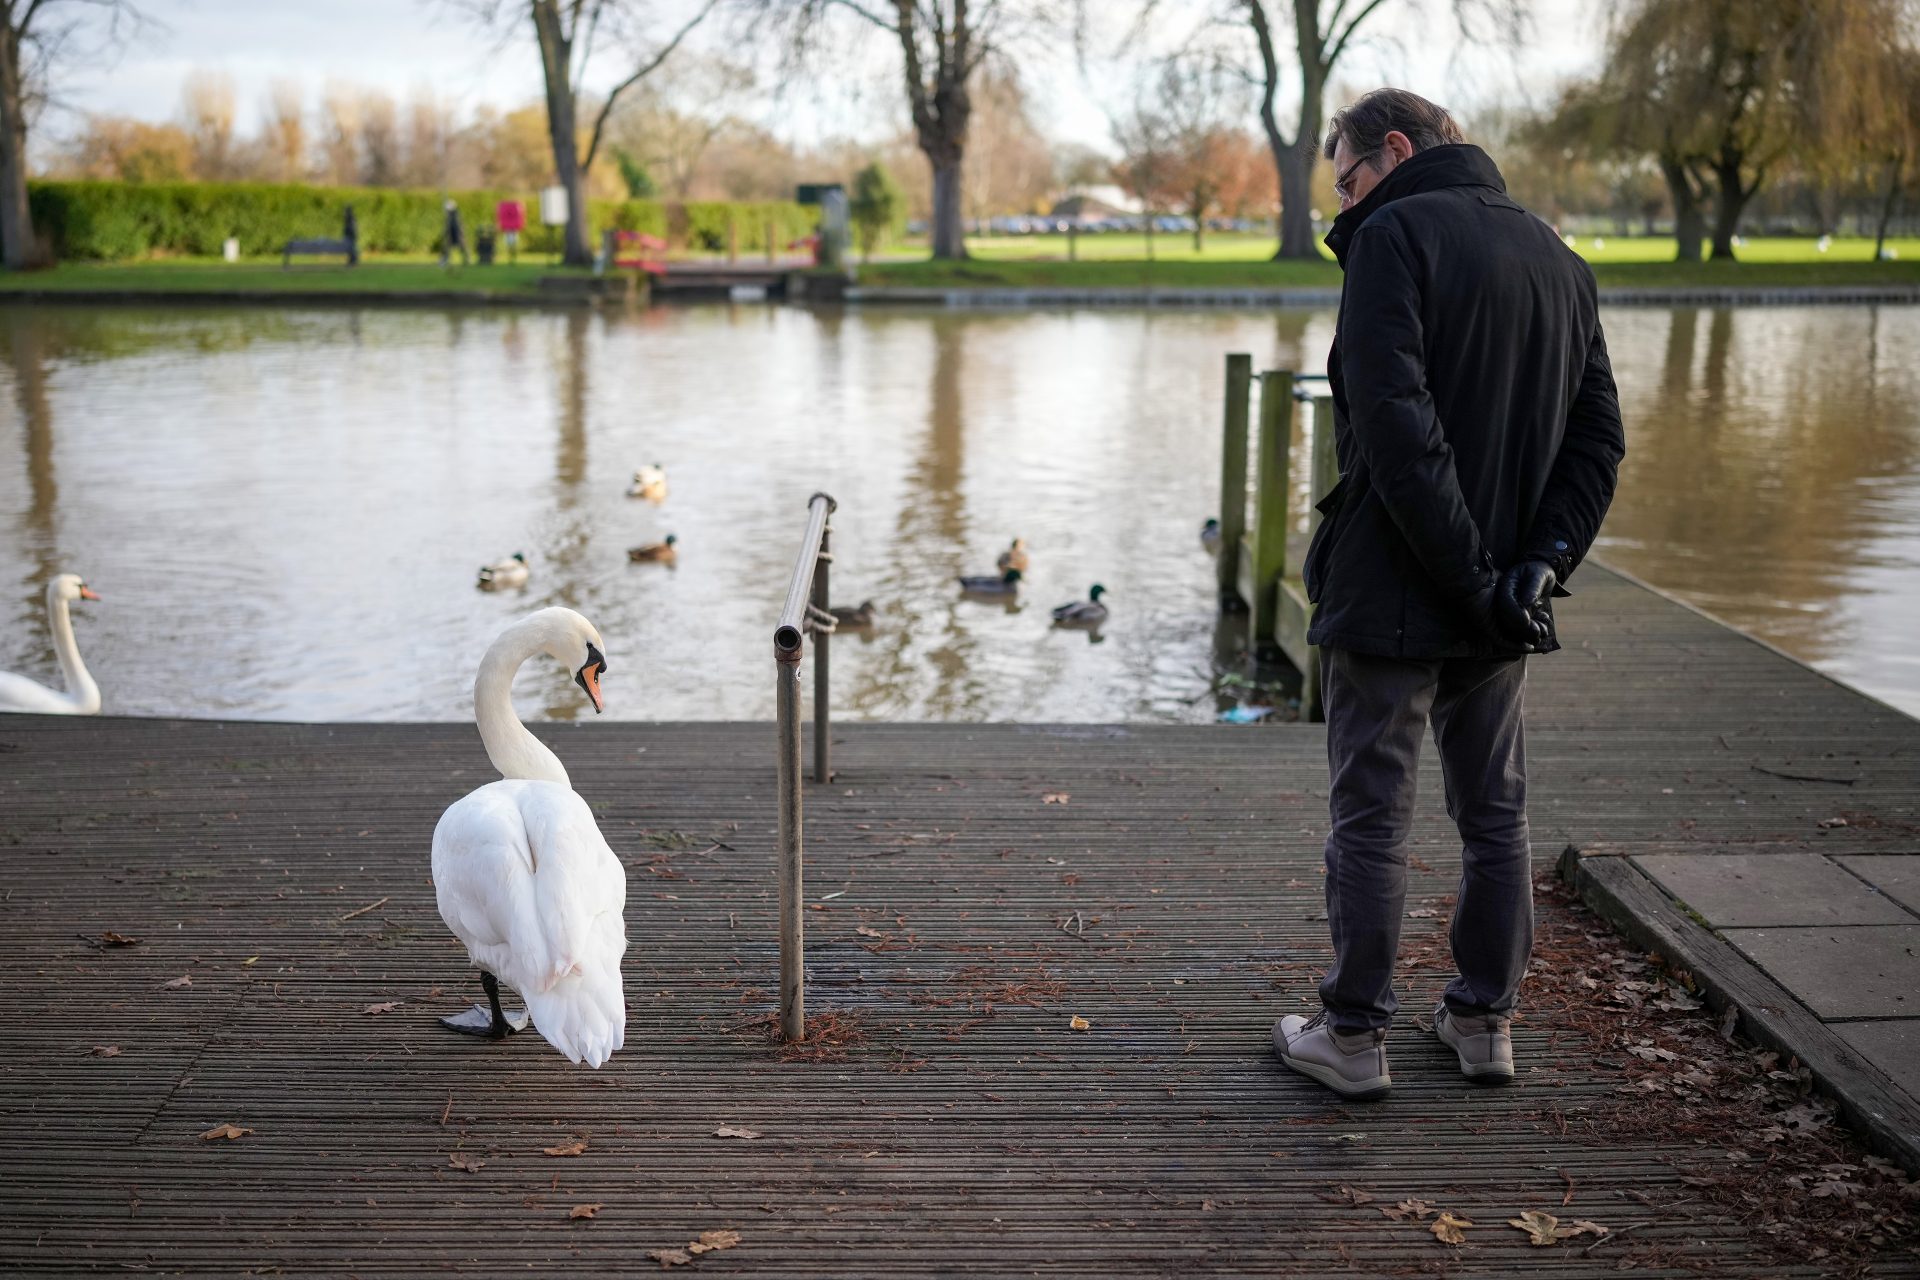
{"type": "Point", "coordinates": [1377, 709]}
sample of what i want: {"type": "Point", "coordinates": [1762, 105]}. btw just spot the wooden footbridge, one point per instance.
{"type": "Point", "coordinates": [1043, 962]}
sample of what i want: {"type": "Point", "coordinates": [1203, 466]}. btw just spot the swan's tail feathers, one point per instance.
{"type": "Point", "coordinates": [582, 1014]}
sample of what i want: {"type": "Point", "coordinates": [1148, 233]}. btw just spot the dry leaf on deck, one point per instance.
{"type": "Point", "coordinates": [865, 932]}
{"type": "Point", "coordinates": [728, 1132]}
{"type": "Point", "coordinates": [582, 1211]}
{"type": "Point", "coordinates": [385, 1006]}
{"type": "Point", "coordinates": [1581, 1227]}
{"type": "Point", "coordinates": [578, 1147]}
{"type": "Point", "coordinates": [670, 1257]}
{"type": "Point", "coordinates": [1350, 1195]}
{"type": "Point", "coordinates": [1446, 1229]}
{"type": "Point", "coordinates": [106, 1051]}
{"type": "Point", "coordinates": [227, 1131]}
{"type": "Point", "coordinates": [1055, 797]}
{"type": "Point", "coordinates": [112, 939]}
{"type": "Point", "coordinates": [461, 1160]}
{"type": "Point", "coordinates": [714, 1241]}
{"type": "Point", "coordinates": [1408, 1209]}
{"type": "Point", "coordinates": [1079, 1023]}
{"type": "Point", "coordinates": [183, 980]}
{"type": "Point", "coordinates": [1540, 1227]}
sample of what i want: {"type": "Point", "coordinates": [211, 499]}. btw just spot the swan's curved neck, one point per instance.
{"type": "Point", "coordinates": [80, 686]}
{"type": "Point", "coordinates": [515, 752]}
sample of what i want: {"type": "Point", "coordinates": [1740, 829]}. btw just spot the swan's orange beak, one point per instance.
{"type": "Point", "coordinates": [86, 593]}
{"type": "Point", "coordinates": [590, 681]}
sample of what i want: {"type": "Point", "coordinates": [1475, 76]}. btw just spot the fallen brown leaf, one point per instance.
{"type": "Point", "coordinates": [865, 932]}
{"type": "Point", "coordinates": [578, 1147]}
{"type": "Point", "coordinates": [1055, 797]}
{"type": "Point", "coordinates": [714, 1241]}
{"type": "Point", "coordinates": [1350, 1195]}
{"type": "Point", "coordinates": [582, 1211]}
{"type": "Point", "coordinates": [112, 939]}
{"type": "Point", "coordinates": [106, 1051]}
{"type": "Point", "coordinates": [461, 1160]}
{"type": "Point", "coordinates": [385, 1006]}
{"type": "Point", "coordinates": [183, 980]}
{"type": "Point", "coordinates": [1079, 1023]}
{"type": "Point", "coordinates": [1416, 1209]}
{"type": "Point", "coordinates": [728, 1132]}
{"type": "Point", "coordinates": [1446, 1229]}
{"type": "Point", "coordinates": [670, 1257]}
{"type": "Point", "coordinates": [228, 1131]}
{"type": "Point", "coordinates": [1540, 1227]}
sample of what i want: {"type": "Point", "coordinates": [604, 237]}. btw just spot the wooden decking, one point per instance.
{"type": "Point", "coordinates": [947, 1119]}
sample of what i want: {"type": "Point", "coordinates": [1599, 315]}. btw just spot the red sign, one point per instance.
{"type": "Point", "coordinates": [511, 215]}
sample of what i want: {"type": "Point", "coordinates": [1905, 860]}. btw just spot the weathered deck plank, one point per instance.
{"type": "Point", "coordinates": [1174, 901]}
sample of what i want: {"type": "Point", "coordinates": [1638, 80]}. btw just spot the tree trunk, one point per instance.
{"type": "Point", "coordinates": [1689, 228]}
{"type": "Point", "coordinates": [1895, 170]}
{"type": "Point", "coordinates": [556, 62]}
{"type": "Point", "coordinates": [1292, 160]}
{"type": "Point", "coordinates": [1200, 226]}
{"type": "Point", "coordinates": [1730, 204]}
{"type": "Point", "coordinates": [1295, 166]}
{"type": "Point", "coordinates": [949, 226]}
{"type": "Point", "coordinates": [16, 221]}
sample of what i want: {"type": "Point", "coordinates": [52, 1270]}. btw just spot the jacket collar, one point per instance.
{"type": "Point", "coordinates": [1459, 164]}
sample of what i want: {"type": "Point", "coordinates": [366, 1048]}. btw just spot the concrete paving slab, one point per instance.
{"type": "Point", "coordinates": [1757, 890]}
{"type": "Point", "coordinates": [1897, 875]}
{"type": "Point", "coordinates": [1893, 1046]}
{"type": "Point", "coordinates": [1849, 971]}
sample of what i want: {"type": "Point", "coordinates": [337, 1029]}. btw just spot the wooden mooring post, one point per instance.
{"type": "Point", "coordinates": [1261, 553]}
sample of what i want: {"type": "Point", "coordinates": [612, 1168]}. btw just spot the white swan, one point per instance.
{"type": "Point", "coordinates": [17, 693]}
{"type": "Point", "coordinates": [511, 572]}
{"type": "Point", "coordinates": [522, 874]}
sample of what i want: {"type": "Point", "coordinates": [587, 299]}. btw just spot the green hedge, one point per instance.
{"type": "Point", "coordinates": [117, 221]}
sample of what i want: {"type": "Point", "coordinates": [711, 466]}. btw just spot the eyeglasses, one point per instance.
{"type": "Point", "coordinates": [1341, 191]}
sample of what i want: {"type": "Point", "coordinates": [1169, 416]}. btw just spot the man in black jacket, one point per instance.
{"type": "Point", "coordinates": [1479, 436]}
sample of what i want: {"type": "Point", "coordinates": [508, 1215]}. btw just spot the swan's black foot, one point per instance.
{"type": "Point", "coordinates": [488, 1019]}
{"type": "Point", "coordinates": [479, 1021]}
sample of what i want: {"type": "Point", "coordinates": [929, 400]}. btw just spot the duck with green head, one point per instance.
{"type": "Point", "coordinates": [1083, 613]}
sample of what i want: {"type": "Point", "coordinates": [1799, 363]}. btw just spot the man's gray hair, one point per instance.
{"type": "Point", "coordinates": [1366, 123]}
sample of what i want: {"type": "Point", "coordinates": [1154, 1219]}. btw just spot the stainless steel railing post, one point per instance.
{"type": "Point", "coordinates": [804, 613]}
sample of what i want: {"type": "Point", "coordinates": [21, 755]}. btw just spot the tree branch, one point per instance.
{"type": "Point", "coordinates": [853, 6]}
{"type": "Point", "coordinates": [1338, 45]}
{"type": "Point", "coordinates": [613, 95]}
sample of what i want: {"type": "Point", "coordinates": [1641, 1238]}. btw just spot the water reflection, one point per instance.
{"type": "Point", "coordinates": [285, 509]}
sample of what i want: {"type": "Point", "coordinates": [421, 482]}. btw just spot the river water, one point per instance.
{"type": "Point", "coordinates": [284, 510]}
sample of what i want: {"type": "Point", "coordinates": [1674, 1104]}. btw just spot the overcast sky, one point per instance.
{"type": "Point", "coordinates": [401, 45]}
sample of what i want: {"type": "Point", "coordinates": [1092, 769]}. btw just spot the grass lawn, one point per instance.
{"type": "Point", "coordinates": [1241, 261]}
{"type": "Point", "coordinates": [314, 275]}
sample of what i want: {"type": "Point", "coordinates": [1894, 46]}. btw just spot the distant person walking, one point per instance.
{"type": "Point", "coordinates": [453, 237]}
{"type": "Point", "coordinates": [350, 232]}
{"type": "Point", "coordinates": [1479, 436]}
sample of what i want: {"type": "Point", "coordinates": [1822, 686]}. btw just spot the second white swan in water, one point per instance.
{"type": "Point", "coordinates": [82, 698]}
{"type": "Point", "coordinates": [522, 874]}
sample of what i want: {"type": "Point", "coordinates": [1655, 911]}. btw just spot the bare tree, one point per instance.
{"type": "Point", "coordinates": [283, 132]}
{"type": "Point", "coordinates": [34, 36]}
{"type": "Point", "coordinates": [208, 106]}
{"type": "Point", "coordinates": [569, 33]}
{"type": "Point", "coordinates": [429, 140]}
{"type": "Point", "coordinates": [340, 133]}
{"type": "Point", "coordinates": [1323, 32]}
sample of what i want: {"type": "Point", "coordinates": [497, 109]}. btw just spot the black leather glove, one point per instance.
{"type": "Point", "coordinates": [1520, 603]}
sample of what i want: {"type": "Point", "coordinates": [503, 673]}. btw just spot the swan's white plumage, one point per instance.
{"type": "Point", "coordinates": [521, 872]}
{"type": "Point", "coordinates": [525, 879]}
{"type": "Point", "coordinates": [18, 693]}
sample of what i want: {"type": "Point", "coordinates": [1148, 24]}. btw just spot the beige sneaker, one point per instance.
{"type": "Point", "coordinates": [1483, 1043]}
{"type": "Point", "coordinates": [1352, 1065]}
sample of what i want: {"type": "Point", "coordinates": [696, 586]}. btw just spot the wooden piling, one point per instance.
{"type": "Point", "coordinates": [1233, 474]}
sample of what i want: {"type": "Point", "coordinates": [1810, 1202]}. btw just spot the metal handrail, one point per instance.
{"type": "Point", "coordinates": [804, 614]}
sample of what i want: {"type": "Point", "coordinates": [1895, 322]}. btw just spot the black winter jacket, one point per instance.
{"type": "Point", "coordinates": [1475, 414]}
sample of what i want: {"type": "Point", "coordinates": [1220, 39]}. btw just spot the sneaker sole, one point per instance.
{"type": "Point", "coordinates": [1487, 1073]}
{"type": "Point", "coordinates": [1357, 1090]}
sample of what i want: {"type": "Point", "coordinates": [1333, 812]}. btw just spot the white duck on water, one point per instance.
{"type": "Point", "coordinates": [522, 874]}
{"type": "Point", "coordinates": [82, 698]}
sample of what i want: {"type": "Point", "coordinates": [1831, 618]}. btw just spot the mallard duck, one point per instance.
{"type": "Point", "coordinates": [1014, 557]}
{"type": "Point", "coordinates": [649, 483]}
{"type": "Point", "coordinates": [511, 572]}
{"type": "Point", "coordinates": [1083, 613]}
{"type": "Point", "coordinates": [654, 552]}
{"type": "Point", "coordinates": [860, 617]}
{"type": "Point", "coordinates": [1005, 584]}
{"type": "Point", "coordinates": [1210, 537]}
